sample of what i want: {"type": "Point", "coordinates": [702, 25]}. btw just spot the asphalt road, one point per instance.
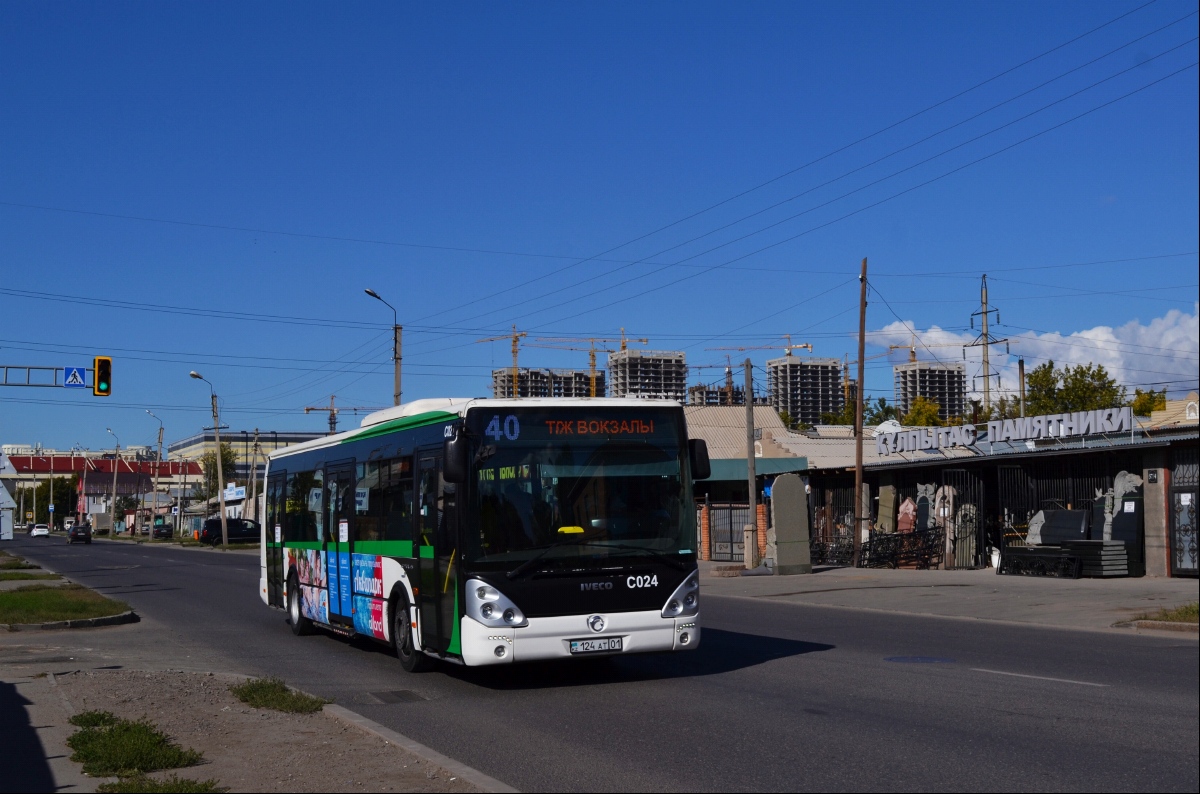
{"type": "Point", "coordinates": [778, 697]}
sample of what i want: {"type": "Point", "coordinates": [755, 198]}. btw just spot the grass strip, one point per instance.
{"type": "Point", "coordinates": [8, 563]}
{"type": "Point", "coordinates": [114, 746]}
{"type": "Point", "coordinates": [40, 603]}
{"type": "Point", "coordinates": [20, 576]}
{"type": "Point", "coordinates": [141, 784]}
{"type": "Point", "coordinates": [272, 693]}
{"type": "Point", "coordinates": [1188, 613]}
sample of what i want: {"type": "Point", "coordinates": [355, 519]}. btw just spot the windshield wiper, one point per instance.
{"type": "Point", "coordinates": [662, 557]}
{"type": "Point", "coordinates": [666, 559]}
{"type": "Point", "coordinates": [525, 566]}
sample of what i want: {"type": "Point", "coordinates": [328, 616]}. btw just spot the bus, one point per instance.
{"type": "Point", "coordinates": [492, 531]}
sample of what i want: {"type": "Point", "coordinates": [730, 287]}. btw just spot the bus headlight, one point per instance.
{"type": "Point", "coordinates": [685, 601]}
{"type": "Point", "coordinates": [492, 608]}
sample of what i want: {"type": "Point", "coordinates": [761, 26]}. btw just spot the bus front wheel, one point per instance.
{"type": "Point", "coordinates": [411, 659]}
{"type": "Point", "coordinates": [300, 624]}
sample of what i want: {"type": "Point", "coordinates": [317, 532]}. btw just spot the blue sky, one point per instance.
{"type": "Point", "coordinates": [707, 175]}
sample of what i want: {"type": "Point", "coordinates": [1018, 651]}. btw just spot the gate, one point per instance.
{"type": "Point", "coordinates": [725, 525]}
{"type": "Point", "coordinates": [958, 511]}
{"type": "Point", "coordinates": [1184, 481]}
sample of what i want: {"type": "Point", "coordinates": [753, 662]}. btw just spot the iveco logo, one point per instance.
{"type": "Point", "coordinates": [596, 586]}
{"type": "Point", "coordinates": [596, 623]}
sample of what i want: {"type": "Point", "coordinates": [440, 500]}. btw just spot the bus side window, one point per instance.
{"type": "Point", "coordinates": [398, 500]}
{"type": "Point", "coordinates": [299, 522]}
{"type": "Point", "coordinates": [429, 501]}
{"type": "Point", "coordinates": [368, 502]}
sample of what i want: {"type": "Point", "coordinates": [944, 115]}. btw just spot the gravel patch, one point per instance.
{"type": "Point", "coordinates": [249, 749]}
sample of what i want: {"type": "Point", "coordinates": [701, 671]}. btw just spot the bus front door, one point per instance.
{"type": "Point", "coordinates": [339, 515]}
{"type": "Point", "coordinates": [273, 526]}
{"type": "Point", "coordinates": [436, 551]}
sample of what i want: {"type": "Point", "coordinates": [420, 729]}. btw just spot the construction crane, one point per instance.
{"type": "Point", "coordinates": [516, 337]}
{"type": "Point", "coordinates": [334, 410]}
{"type": "Point", "coordinates": [566, 343]}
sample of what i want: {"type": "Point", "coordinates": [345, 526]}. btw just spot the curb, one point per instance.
{"type": "Point", "coordinates": [82, 623]}
{"type": "Point", "coordinates": [460, 770]}
{"type": "Point", "coordinates": [1166, 625]}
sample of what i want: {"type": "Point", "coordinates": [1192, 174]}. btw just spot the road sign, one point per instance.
{"type": "Point", "coordinates": [174, 510]}
{"type": "Point", "coordinates": [235, 492]}
{"type": "Point", "coordinates": [28, 515]}
{"type": "Point", "coordinates": [50, 508]}
{"type": "Point", "coordinates": [75, 377]}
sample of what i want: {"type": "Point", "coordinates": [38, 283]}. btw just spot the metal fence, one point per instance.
{"type": "Point", "coordinates": [725, 524]}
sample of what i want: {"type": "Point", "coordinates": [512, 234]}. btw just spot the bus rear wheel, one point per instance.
{"type": "Point", "coordinates": [410, 658]}
{"type": "Point", "coordinates": [300, 624]}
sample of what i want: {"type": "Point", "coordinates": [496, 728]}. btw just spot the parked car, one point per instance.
{"type": "Point", "coordinates": [164, 530]}
{"type": "Point", "coordinates": [40, 531]}
{"type": "Point", "coordinates": [241, 530]}
{"type": "Point", "coordinates": [79, 532]}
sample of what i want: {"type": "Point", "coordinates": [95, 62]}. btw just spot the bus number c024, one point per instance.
{"type": "Point", "coordinates": [510, 428]}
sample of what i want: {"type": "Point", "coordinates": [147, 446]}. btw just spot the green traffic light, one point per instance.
{"type": "Point", "coordinates": [103, 386]}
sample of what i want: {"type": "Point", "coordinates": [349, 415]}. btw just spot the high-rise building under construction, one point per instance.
{"type": "Point", "coordinates": [648, 373]}
{"type": "Point", "coordinates": [944, 384]}
{"type": "Point", "coordinates": [806, 387]}
{"type": "Point", "coordinates": [546, 383]}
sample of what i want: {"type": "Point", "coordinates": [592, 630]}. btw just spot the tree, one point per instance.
{"type": "Point", "coordinates": [1083, 387]}
{"type": "Point", "coordinates": [65, 494]}
{"type": "Point", "coordinates": [208, 487]}
{"type": "Point", "coordinates": [880, 411]}
{"type": "Point", "coordinates": [1146, 401]}
{"type": "Point", "coordinates": [924, 413]}
{"type": "Point", "coordinates": [843, 417]}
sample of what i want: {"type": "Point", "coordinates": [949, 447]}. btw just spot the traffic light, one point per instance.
{"type": "Point", "coordinates": [102, 376]}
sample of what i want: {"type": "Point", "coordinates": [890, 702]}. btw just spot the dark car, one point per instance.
{"type": "Point", "coordinates": [241, 530]}
{"type": "Point", "coordinates": [162, 530]}
{"type": "Point", "coordinates": [79, 532]}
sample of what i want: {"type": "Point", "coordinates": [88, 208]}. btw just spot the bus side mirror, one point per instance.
{"type": "Point", "coordinates": [698, 454]}
{"type": "Point", "coordinates": [456, 457]}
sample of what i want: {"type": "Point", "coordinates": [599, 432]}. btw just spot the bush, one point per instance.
{"type": "Point", "coordinates": [108, 745]}
{"type": "Point", "coordinates": [272, 693]}
{"type": "Point", "coordinates": [140, 784]}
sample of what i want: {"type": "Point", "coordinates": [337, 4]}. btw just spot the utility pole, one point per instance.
{"type": "Point", "coordinates": [985, 340]}
{"type": "Point", "coordinates": [750, 531]}
{"type": "Point", "coordinates": [112, 507]}
{"type": "Point", "coordinates": [397, 332]}
{"type": "Point", "coordinates": [220, 472]}
{"type": "Point", "coordinates": [157, 469]}
{"type": "Point", "coordinates": [254, 478]}
{"type": "Point", "coordinates": [1021, 373]}
{"type": "Point", "coordinates": [859, 518]}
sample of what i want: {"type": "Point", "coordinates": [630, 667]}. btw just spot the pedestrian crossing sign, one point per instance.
{"type": "Point", "coordinates": [75, 377]}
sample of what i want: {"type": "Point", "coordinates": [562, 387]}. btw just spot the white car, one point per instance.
{"type": "Point", "coordinates": [40, 531]}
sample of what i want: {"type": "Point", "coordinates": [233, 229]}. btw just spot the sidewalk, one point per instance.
{"type": "Point", "coordinates": [1091, 604]}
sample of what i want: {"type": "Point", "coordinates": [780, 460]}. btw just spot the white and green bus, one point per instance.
{"type": "Point", "coordinates": [492, 531]}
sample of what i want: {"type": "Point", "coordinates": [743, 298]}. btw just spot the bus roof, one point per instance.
{"type": "Point", "coordinates": [435, 410]}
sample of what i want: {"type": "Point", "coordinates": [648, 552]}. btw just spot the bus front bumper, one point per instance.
{"type": "Point", "coordinates": [550, 638]}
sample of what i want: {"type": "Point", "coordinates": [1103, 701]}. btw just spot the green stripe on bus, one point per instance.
{"type": "Point", "coordinates": [404, 423]}
{"type": "Point", "coordinates": [304, 544]}
{"type": "Point", "coordinates": [385, 548]}
{"type": "Point", "coordinates": [455, 638]}
{"type": "Point", "coordinates": [426, 552]}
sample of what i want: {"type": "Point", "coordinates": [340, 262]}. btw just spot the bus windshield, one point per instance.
{"type": "Point", "coordinates": [576, 487]}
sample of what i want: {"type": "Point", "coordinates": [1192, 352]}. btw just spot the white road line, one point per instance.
{"type": "Point", "coordinates": [1038, 677]}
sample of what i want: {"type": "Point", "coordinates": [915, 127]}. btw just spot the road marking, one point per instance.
{"type": "Point", "coordinates": [1038, 677]}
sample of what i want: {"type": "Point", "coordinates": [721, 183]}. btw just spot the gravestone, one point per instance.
{"type": "Point", "coordinates": [789, 514]}
{"type": "Point", "coordinates": [887, 508]}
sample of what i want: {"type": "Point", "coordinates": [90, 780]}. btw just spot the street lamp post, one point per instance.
{"type": "Point", "coordinates": [396, 339]}
{"type": "Point", "coordinates": [157, 469]}
{"type": "Point", "coordinates": [112, 507]}
{"type": "Point", "coordinates": [220, 472]}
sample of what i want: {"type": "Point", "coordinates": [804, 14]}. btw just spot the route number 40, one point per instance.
{"type": "Point", "coordinates": [510, 429]}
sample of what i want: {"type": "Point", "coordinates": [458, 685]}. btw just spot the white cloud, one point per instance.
{"type": "Point", "coordinates": [1162, 353]}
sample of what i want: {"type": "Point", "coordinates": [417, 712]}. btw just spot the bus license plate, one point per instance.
{"type": "Point", "coordinates": [592, 646]}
